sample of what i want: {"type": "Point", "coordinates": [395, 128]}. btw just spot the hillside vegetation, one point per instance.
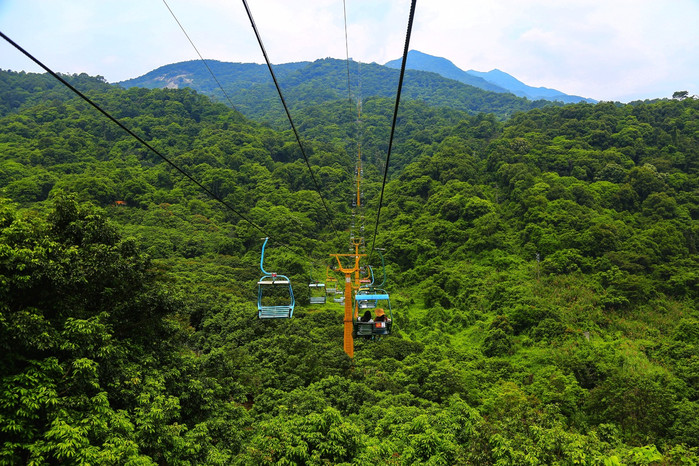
{"type": "Point", "coordinates": [252, 91]}
{"type": "Point", "coordinates": [543, 275]}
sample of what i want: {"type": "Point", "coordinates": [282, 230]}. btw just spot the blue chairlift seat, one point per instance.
{"type": "Point", "coordinates": [275, 298]}
{"type": "Point", "coordinates": [275, 288]}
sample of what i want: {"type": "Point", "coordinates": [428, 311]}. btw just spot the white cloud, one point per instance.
{"type": "Point", "coordinates": [606, 49]}
{"type": "Point", "coordinates": [603, 49]}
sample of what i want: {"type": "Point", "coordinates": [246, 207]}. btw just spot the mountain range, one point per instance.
{"type": "Point", "coordinates": [493, 80]}
{"type": "Point", "coordinates": [434, 80]}
{"type": "Point", "coordinates": [250, 89]}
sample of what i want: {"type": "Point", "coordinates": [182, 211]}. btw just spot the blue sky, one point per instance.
{"type": "Point", "coordinates": [604, 49]}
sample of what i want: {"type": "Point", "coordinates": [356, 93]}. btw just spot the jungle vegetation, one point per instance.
{"type": "Point", "coordinates": [542, 268]}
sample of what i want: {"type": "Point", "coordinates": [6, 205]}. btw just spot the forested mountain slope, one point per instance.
{"type": "Point", "coordinates": [542, 270]}
{"type": "Point", "coordinates": [305, 84]}
{"type": "Point", "coordinates": [18, 90]}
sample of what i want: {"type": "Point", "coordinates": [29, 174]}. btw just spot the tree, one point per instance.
{"type": "Point", "coordinates": [77, 301]}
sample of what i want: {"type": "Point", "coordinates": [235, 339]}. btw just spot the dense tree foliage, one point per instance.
{"type": "Point", "coordinates": [19, 90]}
{"type": "Point", "coordinates": [542, 270]}
{"type": "Point", "coordinates": [252, 91]}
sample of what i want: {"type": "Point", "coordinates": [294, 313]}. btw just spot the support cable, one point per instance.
{"type": "Point", "coordinates": [395, 115]}
{"type": "Point", "coordinates": [134, 135]}
{"type": "Point", "coordinates": [200, 56]}
{"type": "Point", "coordinates": [230, 101]}
{"type": "Point", "coordinates": [349, 92]}
{"type": "Point", "coordinates": [288, 115]}
{"type": "Point", "coordinates": [358, 209]}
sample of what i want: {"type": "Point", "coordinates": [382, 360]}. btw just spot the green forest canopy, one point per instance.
{"type": "Point", "coordinates": [250, 88]}
{"type": "Point", "coordinates": [543, 273]}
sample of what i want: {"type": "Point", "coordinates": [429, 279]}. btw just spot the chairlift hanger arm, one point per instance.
{"type": "Point", "coordinates": [262, 258]}
{"type": "Point", "coordinates": [344, 269]}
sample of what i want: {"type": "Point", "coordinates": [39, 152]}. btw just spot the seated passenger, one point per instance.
{"type": "Point", "coordinates": [381, 316]}
{"type": "Point", "coordinates": [366, 317]}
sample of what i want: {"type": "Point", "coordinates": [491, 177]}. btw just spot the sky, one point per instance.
{"type": "Point", "coordinates": [612, 50]}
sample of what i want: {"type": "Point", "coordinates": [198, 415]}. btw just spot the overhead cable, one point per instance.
{"type": "Point", "coordinates": [202, 58]}
{"type": "Point", "coordinates": [395, 115]}
{"type": "Point", "coordinates": [131, 133]}
{"type": "Point", "coordinates": [288, 115]}
{"type": "Point", "coordinates": [349, 93]}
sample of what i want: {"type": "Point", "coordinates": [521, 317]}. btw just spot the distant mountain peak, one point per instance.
{"type": "Point", "coordinates": [423, 62]}
{"type": "Point", "coordinates": [494, 80]}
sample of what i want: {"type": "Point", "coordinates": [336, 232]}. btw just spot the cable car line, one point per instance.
{"type": "Point", "coordinates": [357, 208]}
{"type": "Point", "coordinates": [349, 92]}
{"type": "Point", "coordinates": [368, 297]}
{"type": "Point", "coordinates": [134, 135]}
{"type": "Point", "coordinates": [395, 115]}
{"type": "Point", "coordinates": [265, 309]}
{"type": "Point", "coordinates": [288, 115]}
{"type": "Point", "coordinates": [200, 56]}
{"type": "Point", "coordinates": [230, 101]}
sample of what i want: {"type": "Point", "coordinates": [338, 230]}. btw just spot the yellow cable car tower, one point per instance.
{"type": "Point", "coordinates": [352, 274]}
{"type": "Point", "coordinates": [348, 344]}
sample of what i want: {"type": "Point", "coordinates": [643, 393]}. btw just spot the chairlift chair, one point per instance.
{"type": "Point", "coordinates": [372, 298]}
{"type": "Point", "coordinates": [365, 287]}
{"type": "Point", "coordinates": [364, 304]}
{"type": "Point", "coordinates": [316, 292]}
{"type": "Point", "coordinates": [330, 288]}
{"type": "Point", "coordinates": [330, 283]}
{"type": "Point", "coordinates": [275, 297]}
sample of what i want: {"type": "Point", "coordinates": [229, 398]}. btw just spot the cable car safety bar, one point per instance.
{"type": "Point", "coordinates": [383, 266]}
